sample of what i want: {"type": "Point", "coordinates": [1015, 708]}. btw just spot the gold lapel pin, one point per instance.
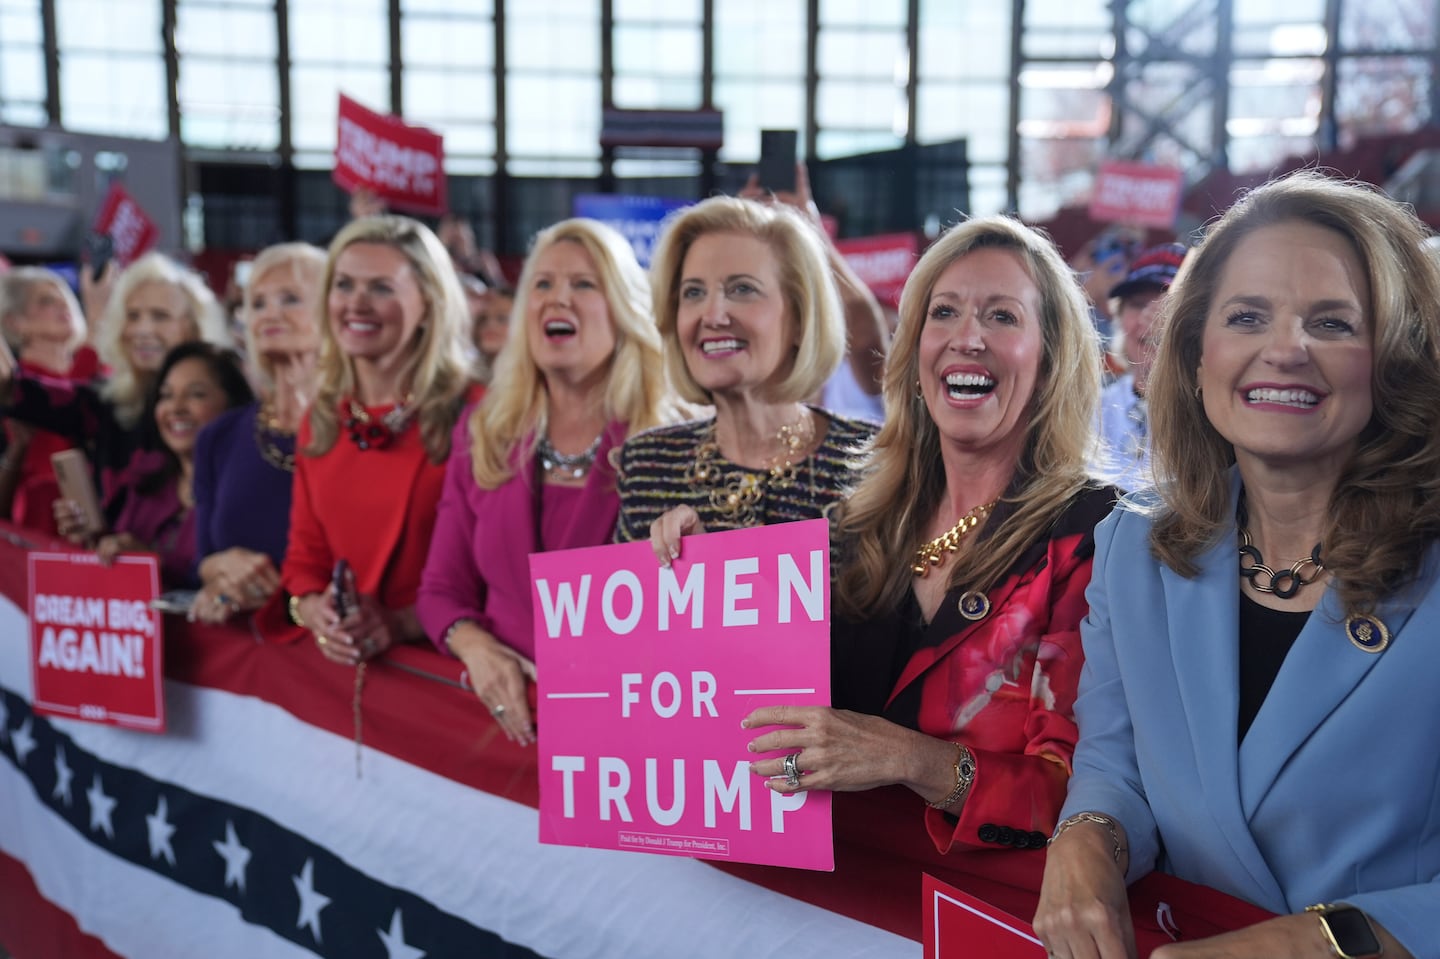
{"type": "Point", "coordinates": [1367, 632]}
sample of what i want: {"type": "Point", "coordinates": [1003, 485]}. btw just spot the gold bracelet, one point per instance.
{"type": "Point", "coordinates": [294, 608]}
{"type": "Point", "coordinates": [1100, 820]}
{"type": "Point", "coordinates": [964, 778]}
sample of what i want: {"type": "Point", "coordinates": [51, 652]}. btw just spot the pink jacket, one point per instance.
{"type": "Point", "coordinates": [478, 567]}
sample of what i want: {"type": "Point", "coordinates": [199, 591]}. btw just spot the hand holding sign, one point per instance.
{"type": "Point", "coordinates": [666, 532]}
{"type": "Point", "coordinates": [646, 672]}
{"type": "Point", "coordinates": [842, 751]}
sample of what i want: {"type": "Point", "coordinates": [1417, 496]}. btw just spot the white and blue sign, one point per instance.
{"type": "Point", "coordinates": [637, 218]}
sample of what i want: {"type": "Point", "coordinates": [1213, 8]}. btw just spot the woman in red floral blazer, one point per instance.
{"type": "Point", "coordinates": [964, 557]}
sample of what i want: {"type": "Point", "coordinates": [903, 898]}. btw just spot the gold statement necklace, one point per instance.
{"type": "Point", "coordinates": [267, 431]}
{"type": "Point", "coordinates": [737, 494]}
{"type": "Point", "coordinates": [939, 549]}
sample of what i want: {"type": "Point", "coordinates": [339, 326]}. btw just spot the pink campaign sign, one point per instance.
{"type": "Point", "coordinates": [645, 675]}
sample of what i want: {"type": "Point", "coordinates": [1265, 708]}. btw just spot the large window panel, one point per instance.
{"type": "Point", "coordinates": [1274, 111]}
{"type": "Point", "coordinates": [1068, 28]}
{"type": "Point", "coordinates": [963, 71]}
{"type": "Point", "coordinates": [1280, 28]}
{"type": "Point", "coordinates": [759, 72]}
{"type": "Point", "coordinates": [1382, 95]}
{"type": "Point", "coordinates": [112, 68]}
{"type": "Point", "coordinates": [449, 80]}
{"type": "Point", "coordinates": [975, 112]}
{"type": "Point", "coordinates": [229, 81]}
{"type": "Point", "coordinates": [22, 64]}
{"type": "Point", "coordinates": [754, 105]}
{"type": "Point", "coordinates": [1385, 25]}
{"type": "Point", "coordinates": [867, 13]}
{"type": "Point", "coordinates": [657, 66]}
{"type": "Point", "coordinates": [336, 46]}
{"type": "Point", "coordinates": [314, 101]}
{"type": "Point", "coordinates": [553, 89]}
{"type": "Point", "coordinates": [339, 31]}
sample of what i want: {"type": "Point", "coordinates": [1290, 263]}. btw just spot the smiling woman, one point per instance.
{"type": "Point", "coordinates": [753, 325]}
{"type": "Point", "coordinates": [532, 467]}
{"type": "Point", "coordinates": [155, 305]}
{"type": "Point", "coordinates": [197, 383]}
{"type": "Point", "coordinates": [963, 557]}
{"type": "Point", "coordinates": [245, 460]}
{"type": "Point", "coordinates": [1272, 605]}
{"type": "Point", "coordinates": [392, 379]}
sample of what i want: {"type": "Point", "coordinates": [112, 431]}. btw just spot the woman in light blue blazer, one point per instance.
{"type": "Point", "coordinates": [1259, 708]}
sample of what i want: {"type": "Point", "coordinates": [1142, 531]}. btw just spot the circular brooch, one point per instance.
{"type": "Point", "coordinates": [974, 605]}
{"type": "Point", "coordinates": [1367, 632]}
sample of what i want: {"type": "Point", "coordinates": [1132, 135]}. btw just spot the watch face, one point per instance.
{"type": "Point", "coordinates": [1352, 932]}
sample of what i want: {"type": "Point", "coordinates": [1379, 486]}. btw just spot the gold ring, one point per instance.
{"type": "Point", "coordinates": [322, 640]}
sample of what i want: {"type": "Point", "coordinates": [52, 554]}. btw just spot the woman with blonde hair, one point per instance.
{"type": "Point", "coordinates": [963, 558]}
{"type": "Point", "coordinates": [156, 305]}
{"type": "Point", "coordinates": [370, 453]}
{"type": "Point", "coordinates": [245, 459]}
{"type": "Point", "coordinates": [753, 324]}
{"type": "Point", "coordinates": [41, 322]}
{"type": "Point", "coordinates": [1258, 709]}
{"type": "Point", "coordinates": [531, 467]}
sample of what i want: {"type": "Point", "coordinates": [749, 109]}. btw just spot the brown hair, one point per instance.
{"type": "Point", "coordinates": [1385, 510]}
{"type": "Point", "coordinates": [904, 480]}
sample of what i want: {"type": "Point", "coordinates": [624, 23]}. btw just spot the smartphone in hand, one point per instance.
{"type": "Point", "coordinates": [343, 583]}
{"type": "Point", "coordinates": [777, 160]}
{"type": "Point", "coordinates": [99, 250]}
{"type": "Point", "coordinates": [72, 475]}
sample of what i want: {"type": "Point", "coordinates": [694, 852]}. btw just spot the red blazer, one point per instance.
{"type": "Point", "coordinates": [374, 508]}
{"type": "Point", "coordinates": [1003, 685]}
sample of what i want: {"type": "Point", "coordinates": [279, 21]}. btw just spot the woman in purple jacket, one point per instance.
{"type": "Point", "coordinates": [530, 467]}
{"type": "Point", "coordinates": [245, 460]}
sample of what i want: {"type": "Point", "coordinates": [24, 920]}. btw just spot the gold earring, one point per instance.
{"type": "Point", "coordinates": [919, 393]}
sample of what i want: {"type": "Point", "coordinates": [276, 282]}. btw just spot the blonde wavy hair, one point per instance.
{"type": "Point", "coordinates": [16, 288]}
{"type": "Point", "coordinates": [306, 263]}
{"type": "Point", "coordinates": [437, 370]}
{"type": "Point", "coordinates": [806, 282]}
{"type": "Point", "coordinates": [126, 387]}
{"type": "Point", "coordinates": [903, 483]}
{"type": "Point", "coordinates": [637, 391]}
{"type": "Point", "coordinates": [1385, 510]}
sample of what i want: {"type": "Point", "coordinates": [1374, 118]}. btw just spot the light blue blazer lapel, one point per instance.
{"type": "Point", "coordinates": [1204, 616]}
{"type": "Point", "coordinates": [1319, 672]}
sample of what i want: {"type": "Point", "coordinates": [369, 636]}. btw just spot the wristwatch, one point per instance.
{"type": "Point", "coordinates": [1348, 930]}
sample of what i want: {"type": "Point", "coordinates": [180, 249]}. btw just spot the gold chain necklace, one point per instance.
{"type": "Point", "coordinates": [736, 494]}
{"type": "Point", "coordinates": [267, 429]}
{"type": "Point", "coordinates": [938, 550]}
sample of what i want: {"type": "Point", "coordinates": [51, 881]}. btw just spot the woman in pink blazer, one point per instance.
{"type": "Point", "coordinates": [530, 467]}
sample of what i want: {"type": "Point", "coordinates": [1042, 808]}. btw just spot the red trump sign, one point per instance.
{"type": "Point", "coordinates": [403, 165]}
{"type": "Point", "coordinates": [128, 225]}
{"type": "Point", "coordinates": [1141, 194]}
{"type": "Point", "coordinates": [95, 649]}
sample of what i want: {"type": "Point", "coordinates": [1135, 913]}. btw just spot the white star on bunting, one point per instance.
{"type": "Point", "coordinates": [23, 742]}
{"type": "Point", "coordinates": [311, 902]}
{"type": "Point", "coordinates": [157, 824]}
{"type": "Point", "coordinates": [236, 857]}
{"type": "Point", "coordinates": [63, 777]}
{"type": "Point", "coordinates": [395, 945]}
{"type": "Point", "coordinates": [101, 807]}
